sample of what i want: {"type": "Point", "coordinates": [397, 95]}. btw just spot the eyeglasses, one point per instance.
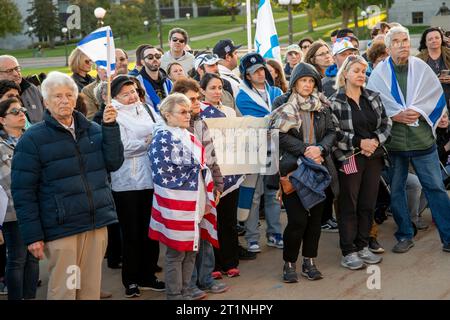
{"type": "Point", "coordinates": [306, 46]}
{"type": "Point", "coordinates": [16, 111]}
{"type": "Point", "coordinates": [128, 94]}
{"type": "Point", "coordinates": [398, 44]}
{"type": "Point", "coordinates": [9, 71]}
{"type": "Point", "coordinates": [88, 61]}
{"type": "Point", "coordinates": [323, 54]}
{"type": "Point", "coordinates": [183, 113]}
{"type": "Point", "coordinates": [293, 53]}
{"type": "Point", "coordinates": [194, 99]}
{"type": "Point", "coordinates": [150, 56]}
{"type": "Point", "coordinates": [178, 40]}
{"type": "Point", "coordinates": [122, 59]}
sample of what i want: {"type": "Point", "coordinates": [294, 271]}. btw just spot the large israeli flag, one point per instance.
{"type": "Point", "coordinates": [266, 38]}
{"type": "Point", "coordinates": [96, 45]}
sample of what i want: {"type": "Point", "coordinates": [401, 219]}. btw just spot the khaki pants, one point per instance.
{"type": "Point", "coordinates": [75, 265]}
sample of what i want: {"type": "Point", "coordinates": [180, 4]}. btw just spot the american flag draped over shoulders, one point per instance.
{"type": "Point", "coordinates": [231, 182]}
{"type": "Point", "coordinates": [178, 215]}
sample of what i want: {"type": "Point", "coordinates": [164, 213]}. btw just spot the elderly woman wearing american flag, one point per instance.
{"type": "Point", "coordinates": [184, 208]}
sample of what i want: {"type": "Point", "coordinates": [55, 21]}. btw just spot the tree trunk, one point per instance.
{"type": "Point", "coordinates": [233, 15]}
{"type": "Point", "coordinates": [310, 15]}
{"type": "Point", "coordinates": [346, 12]}
{"type": "Point", "coordinates": [355, 19]}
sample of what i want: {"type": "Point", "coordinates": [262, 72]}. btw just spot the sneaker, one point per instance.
{"type": "Point", "coordinates": [275, 240]}
{"type": "Point", "coordinates": [233, 272]}
{"type": "Point", "coordinates": [217, 287]}
{"type": "Point", "coordinates": [253, 247]}
{"type": "Point", "coordinates": [446, 247]}
{"type": "Point", "coordinates": [105, 294]}
{"type": "Point", "coordinates": [310, 271]}
{"type": "Point", "coordinates": [289, 273]}
{"type": "Point", "coordinates": [403, 246]}
{"type": "Point", "coordinates": [330, 226]}
{"type": "Point", "coordinates": [374, 246]}
{"type": "Point", "coordinates": [216, 275]}
{"type": "Point", "coordinates": [155, 285]}
{"type": "Point", "coordinates": [420, 224]}
{"type": "Point", "coordinates": [197, 294]}
{"type": "Point", "coordinates": [132, 291]}
{"type": "Point", "coordinates": [240, 230]}
{"type": "Point", "coordinates": [244, 254]}
{"type": "Point", "coordinates": [3, 289]}
{"type": "Point", "coordinates": [368, 257]}
{"type": "Point", "coordinates": [352, 261]}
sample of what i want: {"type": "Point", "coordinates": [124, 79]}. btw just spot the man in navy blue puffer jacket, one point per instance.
{"type": "Point", "coordinates": [61, 191]}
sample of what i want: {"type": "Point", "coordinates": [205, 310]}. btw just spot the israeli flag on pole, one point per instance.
{"type": "Point", "coordinates": [99, 47]}
{"type": "Point", "coordinates": [266, 38]}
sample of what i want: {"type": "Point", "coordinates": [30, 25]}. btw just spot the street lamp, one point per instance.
{"type": "Point", "coordinates": [146, 25]}
{"type": "Point", "coordinates": [99, 14]}
{"type": "Point", "coordinates": [364, 15]}
{"type": "Point", "coordinates": [64, 31]}
{"type": "Point", "coordinates": [30, 31]}
{"type": "Point", "coordinates": [188, 15]}
{"type": "Point", "coordinates": [289, 3]}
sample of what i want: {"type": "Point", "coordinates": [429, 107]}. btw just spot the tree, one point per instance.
{"type": "Point", "coordinates": [124, 20]}
{"type": "Point", "coordinates": [231, 5]}
{"type": "Point", "coordinates": [9, 18]}
{"type": "Point", "coordinates": [43, 17]}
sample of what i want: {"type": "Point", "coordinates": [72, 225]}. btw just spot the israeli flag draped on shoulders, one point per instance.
{"type": "Point", "coordinates": [95, 46]}
{"type": "Point", "coordinates": [266, 38]}
{"type": "Point", "coordinates": [424, 91]}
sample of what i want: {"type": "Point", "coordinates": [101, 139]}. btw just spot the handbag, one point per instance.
{"type": "Point", "coordinates": [286, 185]}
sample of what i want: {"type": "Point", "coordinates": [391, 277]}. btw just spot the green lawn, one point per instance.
{"type": "Point", "coordinates": [195, 27]}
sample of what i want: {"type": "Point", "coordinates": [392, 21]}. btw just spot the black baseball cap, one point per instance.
{"type": "Point", "coordinates": [118, 83]}
{"type": "Point", "coordinates": [224, 47]}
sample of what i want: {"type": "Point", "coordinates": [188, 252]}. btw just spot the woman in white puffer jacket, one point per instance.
{"type": "Point", "coordinates": [133, 189]}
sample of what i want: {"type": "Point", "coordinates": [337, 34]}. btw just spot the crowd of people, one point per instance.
{"type": "Point", "coordinates": [88, 177]}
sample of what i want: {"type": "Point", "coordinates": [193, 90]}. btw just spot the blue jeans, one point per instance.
{"type": "Point", "coordinates": [429, 173]}
{"type": "Point", "coordinates": [272, 210]}
{"type": "Point", "coordinates": [22, 268]}
{"type": "Point", "coordinates": [204, 266]}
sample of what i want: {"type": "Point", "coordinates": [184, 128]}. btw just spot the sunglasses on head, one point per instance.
{"type": "Point", "coordinates": [16, 111]}
{"type": "Point", "coordinates": [153, 56]}
{"type": "Point", "coordinates": [178, 40]}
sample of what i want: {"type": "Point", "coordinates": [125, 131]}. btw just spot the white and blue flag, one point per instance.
{"type": "Point", "coordinates": [96, 45]}
{"type": "Point", "coordinates": [266, 38]}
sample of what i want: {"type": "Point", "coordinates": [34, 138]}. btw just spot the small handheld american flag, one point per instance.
{"type": "Point", "coordinates": [349, 165]}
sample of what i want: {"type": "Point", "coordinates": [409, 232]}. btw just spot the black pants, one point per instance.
{"type": "Point", "coordinates": [227, 256]}
{"type": "Point", "coordinates": [357, 200]}
{"type": "Point", "coordinates": [114, 249]}
{"type": "Point", "coordinates": [140, 253]}
{"type": "Point", "coordinates": [301, 226]}
{"type": "Point", "coordinates": [2, 260]}
{"type": "Point", "coordinates": [328, 206]}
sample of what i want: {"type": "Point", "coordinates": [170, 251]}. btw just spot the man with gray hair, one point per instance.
{"type": "Point", "coordinates": [31, 97]}
{"type": "Point", "coordinates": [413, 97]}
{"type": "Point", "coordinates": [178, 39]}
{"type": "Point", "coordinates": [61, 193]}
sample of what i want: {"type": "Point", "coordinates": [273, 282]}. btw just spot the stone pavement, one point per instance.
{"type": "Point", "coordinates": [422, 273]}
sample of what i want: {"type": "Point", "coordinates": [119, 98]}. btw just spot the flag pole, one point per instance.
{"type": "Point", "coordinates": [249, 25]}
{"type": "Point", "coordinates": [108, 66]}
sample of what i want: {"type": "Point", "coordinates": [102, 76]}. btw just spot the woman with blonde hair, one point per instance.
{"type": "Point", "coordinates": [277, 72]}
{"type": "Point", "coordinates": [80, 65]}
{"type": "Point", "coordinates": [362, 129]}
